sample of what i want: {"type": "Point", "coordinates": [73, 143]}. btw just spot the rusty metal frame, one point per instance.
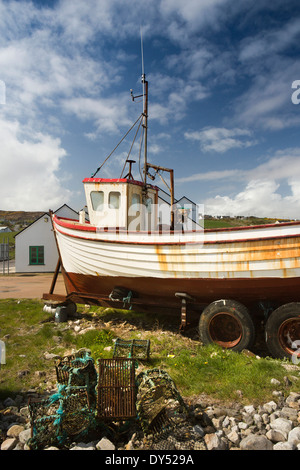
{"type": "Point", "coordinates": [116, 389]}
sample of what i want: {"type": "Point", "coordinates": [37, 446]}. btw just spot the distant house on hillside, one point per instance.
{"type": "Point", "coordinates": [4, 229]}
{"type": "Point", "coordinates": [35, 245]}
{"type": "Point", "coordinates": [183, 202]}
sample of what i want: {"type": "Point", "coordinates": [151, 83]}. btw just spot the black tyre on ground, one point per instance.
{"type": "Point", "coordinates": [283, 331]}
{"type": "Point", "coordinates": [227, 323]}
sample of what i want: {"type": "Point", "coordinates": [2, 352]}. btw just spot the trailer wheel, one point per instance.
{"type": "Point", "coordinates": [283, 331]}
{"type": "Point", "coordinates": [227, 323]}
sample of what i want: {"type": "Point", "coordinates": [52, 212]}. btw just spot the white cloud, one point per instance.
{"type": "Point", "coordinates": [195, 13]}
{"type": "Point", "coordinates": [267, 43]}
{"type": "Point", "coordinates": [260, 198]}
{"type": "Point", "coordinates": [106, 113]}
{"type": "Point", "coordinates": [284, 164]}
{"type": "Point", "coordinates": [263, 194]}
{"type": "Point", "coordinates": [29, 171]}
{"type": "Point", "coordinates": [220, 139]}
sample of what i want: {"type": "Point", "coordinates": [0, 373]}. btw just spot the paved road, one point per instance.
{"type": "Point", "coordinates": [28, 286]}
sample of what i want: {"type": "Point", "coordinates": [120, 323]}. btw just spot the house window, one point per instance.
{"type": "Point", "coordinates": [114, 200]}
{"type": "Point", "coordinates": [36, 255]}
{"type": "Point", "coordinates": [97, 198]}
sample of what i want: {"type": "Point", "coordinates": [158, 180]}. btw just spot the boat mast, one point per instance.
{"type": "Point", "coordinates": [145, 124]}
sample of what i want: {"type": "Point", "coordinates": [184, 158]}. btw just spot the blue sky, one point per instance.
{"type": "Point", "coordinates": [221, 112]}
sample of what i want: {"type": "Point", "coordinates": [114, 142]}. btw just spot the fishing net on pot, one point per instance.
{"type": "Point", "coordinates": [77, 371]}
{"type": "Point", "coordinates": [70, 412]}
{"type": "Point", "coordinates": [60, 418]}
{"type": "Point", "coordinates": [159, 405]}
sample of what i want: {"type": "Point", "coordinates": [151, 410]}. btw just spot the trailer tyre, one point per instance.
{"type": "Point", "coordinates": [227, 323]}
{"type": "Point", "coordinates": [283, 331]}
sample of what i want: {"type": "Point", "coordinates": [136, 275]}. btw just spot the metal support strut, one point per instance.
{"type": "Point", "coordinates": [184, 298]}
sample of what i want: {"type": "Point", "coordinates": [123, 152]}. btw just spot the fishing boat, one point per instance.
{"type": "Point", "coordinates": [133, 253]}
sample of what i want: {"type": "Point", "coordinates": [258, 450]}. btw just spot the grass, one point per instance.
{"type": "Point", "coordinates": [28, 333]}
{"type": "Point", "coordinates": [10, 238]}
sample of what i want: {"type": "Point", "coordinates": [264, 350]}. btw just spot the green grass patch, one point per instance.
{"type": "Point", "coordinates": [224, 373]}
{"type": "Point", "coordinates": [96, 341]}
{"type": "Point", "coordinates": [29, 332]}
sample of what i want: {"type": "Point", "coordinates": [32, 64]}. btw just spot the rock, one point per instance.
{"type": "Point", "coordinates": [214, 442]}
{"type": "Point", "coordinates": [50, 356]}
{"type": "Point", "coordinates": [289, 413]}
{"type": "Point", "coordinates": [275, 382]}
{"type": "Point", "coordinates": [293, 398]}
{"type": "Point", "coordinates": [199, 430]}
{"type": "Point", "coordinates": [9, 444]}
{"type": "Point", "coordinates": [294, 436]}
{"type": "Point", "coordinates": [24, 436]}
{"type": "Point", "coordinates": [282, 425]}
{"type": "Point", "coordinates": [254, 442]}
{"type": "Point", "coordinates": [105, 444]}
{"type": "Point", "coordinates": [270, 406]}
{"type": "Point", "coordinates": [276, 435]}
{"type": "Point", "coordinates": [14, 430]}
{"type": "Point", "coordinates": [283, 446]}
{"type": "Point", "coordinates": [40, 373]}
{"type": "Point", "coordinates": [234, 437]}
{"type": "Point", "coordinates": [84, 446]}
{"type": "Point", "coordinates": [23, 373]}
{"type": "Point", "coordinates": [249, 409]}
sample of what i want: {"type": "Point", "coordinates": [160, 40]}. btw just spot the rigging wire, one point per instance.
{"type": "Point", "coordinates": [131, 147]}
{"type": "Point", "coordinates": [99, 168]}
{"type": "Point", "coordinates": [140, 152]}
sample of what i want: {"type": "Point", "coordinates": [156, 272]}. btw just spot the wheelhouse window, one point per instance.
{"type": "Point", "coordinates": [135, 200]}
{"type": "Point", "coordinates": [36, 255]}
{"type": "Point", "coordinates": [97, 198]}
{"type": "Point", "coordinates": [114, 200]}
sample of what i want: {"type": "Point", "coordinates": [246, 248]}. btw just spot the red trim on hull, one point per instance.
{"type": "Point", "coordinates": [201, 241]}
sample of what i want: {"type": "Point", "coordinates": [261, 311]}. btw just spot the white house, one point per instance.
{"type": "Point", "coordinates": [182, 203]}
{"type": "Point", "coordinates": [35, 246]}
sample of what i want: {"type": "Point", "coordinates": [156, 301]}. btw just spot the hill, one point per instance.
{"type": "Point", "coordinates": [21, 218]}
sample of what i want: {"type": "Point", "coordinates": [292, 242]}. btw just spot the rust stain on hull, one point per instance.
{"type": "Point", "coordinates": [248, 257]}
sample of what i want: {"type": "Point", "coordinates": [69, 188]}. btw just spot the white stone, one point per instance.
{"type": "Point", "coordinates": [283, 446]}
{"type": "Point", "coordinates": [294, 436]}
{"type": "Point", "coordinates": [253, 442]}
{"type": "Point", "coordinates": [105, 444]}
{"type": "Point", "coordinates": [283, 425]}
{"type": "Point", "coordinates": [249, 409]}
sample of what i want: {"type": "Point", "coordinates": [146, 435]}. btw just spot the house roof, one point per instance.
{"type": "Point", "coordinates": [43, 215]}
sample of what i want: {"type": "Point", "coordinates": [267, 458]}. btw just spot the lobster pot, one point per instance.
{"type": "Point", "coordinates": [77, 371]}
{"type": "Point", "coordinates": [135, 348]}
{"type": "Point", "coordinates": [159, 404]}
{"type": "Point", "coordinates": [59, 418]}
{"type": "Point", "coordinates": [116, 389]}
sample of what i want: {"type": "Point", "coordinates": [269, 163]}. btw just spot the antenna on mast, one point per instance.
{"type": "Point", "coordinates": [145, 111]}
{"type": "Point", "coordinates": [143, 71]}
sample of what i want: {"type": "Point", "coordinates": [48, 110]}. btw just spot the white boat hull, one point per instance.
{"type": "Point", "coordinates": [225, 261]}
